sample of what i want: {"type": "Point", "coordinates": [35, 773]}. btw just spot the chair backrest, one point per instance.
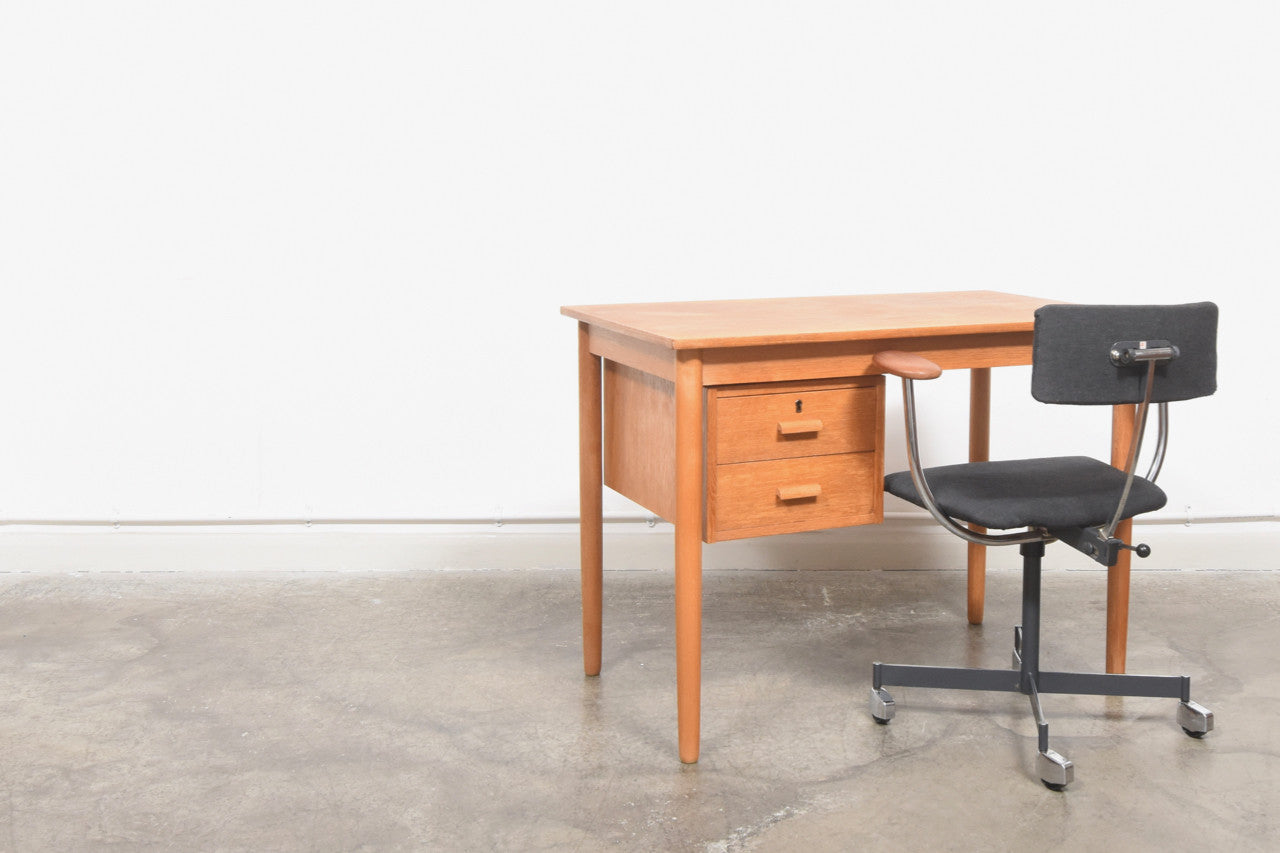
{"type": "Point", "coordinates": [1071, 360]}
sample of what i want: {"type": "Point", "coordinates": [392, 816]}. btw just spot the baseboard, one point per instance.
{"type": "Point", "coordinates": [902, 543]}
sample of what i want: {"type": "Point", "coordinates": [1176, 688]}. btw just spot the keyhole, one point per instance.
{"type": "Point", "coordinates": [799, 405]}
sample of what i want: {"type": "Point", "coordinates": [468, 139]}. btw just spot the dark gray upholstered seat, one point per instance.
{"type": "Point", "coordinates": [1061, 491]}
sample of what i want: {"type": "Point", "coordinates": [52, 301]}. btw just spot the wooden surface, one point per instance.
{"type": "Point", "coordinates": [639, 431]}
{"type": "Point", "coordinates": [907, 365]}
{"type": "Point", "coordinates": [1123, 424]}
{"type": "Point", "coordinates": [792, 362]}
{"type": "Point", "coordinates": [979, 451]}
{"type": "Point", "coordinates": [802, 421]}
{"type": "Point", "coordinates": [688, 535]}
{"type": "Point", "coordinates": [590, 501]}
{"type": "Point", "coordinates": [793, 495]}
{"type": "Point", "coordinates": [765, 479]}
{"type": "Point", "coordinates": [813, 319]}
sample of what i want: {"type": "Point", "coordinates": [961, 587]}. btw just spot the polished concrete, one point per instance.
{"type": "Point", "coordinates": [448, 711]}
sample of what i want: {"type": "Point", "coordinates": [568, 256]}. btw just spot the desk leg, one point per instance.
{"type": "Point", "coordinates": [590, 499]}
{"type": "Point", "coordinates": [1123, 423]}
{"type": "Point", "coordinates": [979, 451]}
{"type": "Point", "coordinates": [689, 473]}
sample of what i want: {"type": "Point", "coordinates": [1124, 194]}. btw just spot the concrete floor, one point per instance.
{"type": "Point", "coordinates": [447, 711]}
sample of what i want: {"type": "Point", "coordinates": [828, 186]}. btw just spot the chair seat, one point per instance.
{"type": "Point", "coordinates": [1059, 491]}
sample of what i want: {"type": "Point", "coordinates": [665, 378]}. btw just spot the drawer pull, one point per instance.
{"type": "Point", "coordinates": [796, 493]}
{"type": "Point", "coordinates": [799, 427]}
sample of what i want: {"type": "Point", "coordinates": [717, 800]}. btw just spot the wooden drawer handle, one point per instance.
{"type": "Point", "coordinates": [799, 427]}
{"type": "Point", "coordinates": [795, 493]}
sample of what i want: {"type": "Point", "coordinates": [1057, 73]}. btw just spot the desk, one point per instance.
{"type": "Point", "coordinates": [739, 418]}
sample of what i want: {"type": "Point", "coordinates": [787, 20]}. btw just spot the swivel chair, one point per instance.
{"type": "Point", "coordinates": [1081, 355]}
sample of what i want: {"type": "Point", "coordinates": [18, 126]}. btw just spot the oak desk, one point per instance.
{"type": "Point", "coordinates": [739, 418]}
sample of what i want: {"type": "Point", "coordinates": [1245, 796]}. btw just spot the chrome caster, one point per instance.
{"type": "Point", "coordinates": [882, 707]}
{"type": "Point", "coordinates": [1056, 772]}
{"type": "Point", "coordinates": [1195, 719]}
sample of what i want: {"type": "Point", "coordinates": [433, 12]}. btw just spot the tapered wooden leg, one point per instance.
{"type": "Point", "coordinates": [979, 451]}
{"type": "Point", "coordinates": [1123, 423]}
{"type": "Point", "coordinates": [689, 473]}
{"type": "Point", "coordinates": [590, 501]}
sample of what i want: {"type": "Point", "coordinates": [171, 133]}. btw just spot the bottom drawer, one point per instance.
{"type": "Point", "coordinates": [791, 495]}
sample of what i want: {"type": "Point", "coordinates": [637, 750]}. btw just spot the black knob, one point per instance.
{"type": "Point", "coordinates": [1143, 551]}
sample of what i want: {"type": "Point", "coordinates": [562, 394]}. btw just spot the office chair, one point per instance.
{"type": "Point", "coordinates": [1081, 355]}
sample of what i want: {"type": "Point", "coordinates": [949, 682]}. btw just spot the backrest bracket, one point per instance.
{"type": "Point", "coordinates": [1123, 354]}
{"type": "Point", "coordinates": [1126, 353]}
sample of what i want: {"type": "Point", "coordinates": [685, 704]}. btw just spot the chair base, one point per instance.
{"type": "Point", "coordinates": [1056, 772]}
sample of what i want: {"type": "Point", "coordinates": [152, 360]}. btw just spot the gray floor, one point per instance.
{"type": "Point", "coordinates": [447, 711]}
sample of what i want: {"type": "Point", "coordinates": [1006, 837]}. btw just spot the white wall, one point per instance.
{"type": "Point", "coordinates": [283, 260]}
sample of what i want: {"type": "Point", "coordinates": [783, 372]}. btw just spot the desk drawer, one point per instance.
{"type": "Point", "coordinates": [784, 457]}
{"type": "Point", "coordinates": [800, 422]}
{"type": "Point", "coordinates": [790, 495]}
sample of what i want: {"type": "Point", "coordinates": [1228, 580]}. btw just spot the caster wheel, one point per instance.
{"type": "Point", "coordinates": [882, 707]}
{"type": "Point", "coordinates": [1196, 720]}
{"type": "Point", "coordinates": [1056, 772]}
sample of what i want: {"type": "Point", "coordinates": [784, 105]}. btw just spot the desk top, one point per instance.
{"type": "Point", "coordinates": [813, 319]}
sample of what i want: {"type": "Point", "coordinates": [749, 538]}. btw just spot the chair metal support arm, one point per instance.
{"type": "Point", "coordinates": [1135, 445]}
{"type": "Point", "coordinates": [926, 494]}
{"type": "Point", "coordinates": [1162, 442]}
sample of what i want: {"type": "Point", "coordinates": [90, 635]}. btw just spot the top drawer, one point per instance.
{"type": "Point", "coordinates": [805, 421]}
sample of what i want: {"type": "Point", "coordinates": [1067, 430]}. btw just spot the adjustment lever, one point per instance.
{"type": "Point", "coordinates": [1090, 542]}
{"type": "Point", "coordinates": [1142, 551]}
